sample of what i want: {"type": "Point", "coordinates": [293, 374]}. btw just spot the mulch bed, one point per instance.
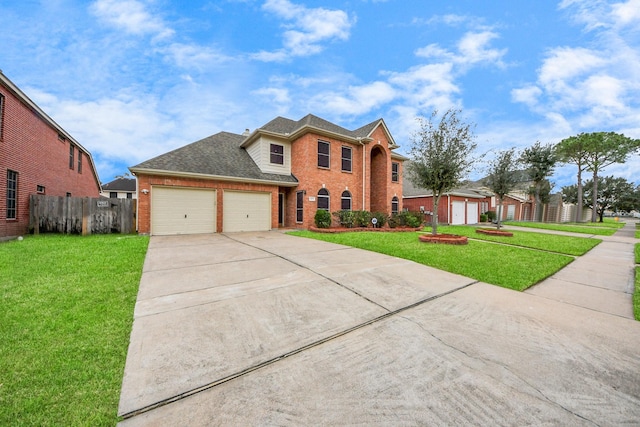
{"type": "Point", "coordinates": [449, 239]}
{"type": "Point", "coordinates": [492, 232]}
{"type": "Point", "coordinates": [350, 230]}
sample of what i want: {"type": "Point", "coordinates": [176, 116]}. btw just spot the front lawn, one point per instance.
{"type": "Point", "coordinates": [67, 310]}
{"type": "Point", "coordinates": [508, 266]}
{"type": "Point", "coordinates": [600, 229]}
{"type": "Point", "coordinates": [548, 242]}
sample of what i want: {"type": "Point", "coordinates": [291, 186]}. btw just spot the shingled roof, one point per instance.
{"type": "Point", "coordinates": [120, 184]}
{"type": "Point", "coordinates": [218, 155]}
{"type": "Point", "coordinates": [289, 128]}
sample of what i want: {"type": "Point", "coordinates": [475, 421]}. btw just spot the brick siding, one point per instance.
{"type": "Point", "coordinates": [31, 147]}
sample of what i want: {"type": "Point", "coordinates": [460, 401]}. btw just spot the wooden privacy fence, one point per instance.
{"type": "Point", "coordinates": [76, 215]}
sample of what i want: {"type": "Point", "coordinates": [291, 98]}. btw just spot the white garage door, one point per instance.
{"type": "Point", "coordinates": [472, 213]}
{"type": "Point", "coordinates": [182, 211]}
{"type": "Point", "coordinates": [457, 213]}
{"type": "Point", "coordinates": [246, 211]}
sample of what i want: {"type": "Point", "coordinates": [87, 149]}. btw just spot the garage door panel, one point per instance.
{"type": "Point", "coordinates": [457, 213]}
{"type": "Point", "coordinates": [246, 211]}
{"type": "Point", "coordinates": [472, 213]}
{"type": "Point", "coordinates": [182, 211]}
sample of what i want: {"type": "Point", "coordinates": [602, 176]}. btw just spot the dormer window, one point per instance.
{"type": "Point", "coordinates": [276, 154]}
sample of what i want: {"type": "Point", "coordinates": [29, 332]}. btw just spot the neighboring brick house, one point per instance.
{"type": "Point", "coordinates": [465, 204]}
{"type": "Point", "coordinates": [119, 188]}
{"type": "Point", "coordinates": [37, 156]}
{"type": "Point", "coordinates": [277, 176]}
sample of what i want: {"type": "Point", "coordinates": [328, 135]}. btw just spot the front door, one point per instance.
{"type": "Point", "coordinates": [281, 209]}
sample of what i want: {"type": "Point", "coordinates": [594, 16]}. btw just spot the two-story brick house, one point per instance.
{"type": "Point", "coordinates": [276, 176]}
{"type": "Point", "coordinates": [37, 156]}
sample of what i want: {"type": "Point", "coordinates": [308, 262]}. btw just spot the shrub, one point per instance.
{"type": "Point", "coordinates": [412, 219]}
{"type": "Point", "coordinates": [345, 218]}
{"type": "Point", "coordinates": [322, 219]}
{"type": "Point", "coordinates": [491, 215]}
{"type": "Point", "coordinates": [406, 219]}
{"type": "Point", "coordinates": [381, 217]}
{"type": "Point", "coordinates": [483, 217]}
{"type": "Point", "coordinates": [361, 218]}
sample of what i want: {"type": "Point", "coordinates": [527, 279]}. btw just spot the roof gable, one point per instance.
{"type": "Point", "coordinates": [218, 155]}
{"type": "Point", "coordinates": [291, 130]}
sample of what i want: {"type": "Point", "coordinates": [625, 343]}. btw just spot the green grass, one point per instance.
{"type": "Point", "coordinates": [549, 242]}
{"type": "Point", "coordinates": [596, 228]}
{"type": "Point", "coordinates": [507, 266]}
{"type": "Point", "coordinates": [67, 310]}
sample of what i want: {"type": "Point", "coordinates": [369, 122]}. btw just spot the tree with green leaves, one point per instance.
{"type": "Point", "coordinates": [441, 153]}
{"type": "Point", "coordinates": [502, 178]}
{"type": "Point", "coordinates": [540, 161]}
{"type": "Point", "coordinates": [574, 150]}
{"type": "Point", "coordinates": [604, 149]}
{"type": "Point", "coordinates": [615, 194]}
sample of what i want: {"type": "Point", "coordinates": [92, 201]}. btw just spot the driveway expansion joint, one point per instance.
{"type": "Point", "coordinates": [283, 356]}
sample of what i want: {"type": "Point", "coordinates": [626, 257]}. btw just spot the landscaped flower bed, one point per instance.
{"type": "Point", "coordinates": [493, 232]}
{"type": "Point", "coordinates": [449, 239]}
{"type": "Point", "coordinates": [352, 229]}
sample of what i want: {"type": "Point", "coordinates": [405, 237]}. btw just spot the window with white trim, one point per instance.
{"type": "Point", "coordinates": [276, 154]}
{"type": "Point", "coordinates": [323, 199]}
{"type": "Point", "coordinates": [1, 113]}
{"type": "Point", "coordinates": [395, 171]}
{"type": "Point", "coordinates": [324, 156]}
{"type": "Point", "coordinates": [71, 156]}
{"type": "Point", "coordinates": [299, 206]}
{"type": "Point", "coordinates": [12, 194]}
{"type": "Point", "coordinates": [345, 201]}
{"type": "Point", "coordinates": [347, 154]}
{"type": "Point", "coordinates": [394, 205]}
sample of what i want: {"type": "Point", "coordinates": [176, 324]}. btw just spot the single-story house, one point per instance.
{"type": "Point", "coordinates": [277, 176]}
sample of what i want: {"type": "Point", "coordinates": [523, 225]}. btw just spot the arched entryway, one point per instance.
{"type": "Point", "coordinates": [378, 180]}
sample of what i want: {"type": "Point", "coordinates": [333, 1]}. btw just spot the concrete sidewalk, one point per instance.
{"type": "Point", "coordinates": [266, 328]}
{"type": "Point", "coordinates": [601, 280]}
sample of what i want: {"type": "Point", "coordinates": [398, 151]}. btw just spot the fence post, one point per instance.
{"type": "Point", "coordinates": [85, 216]}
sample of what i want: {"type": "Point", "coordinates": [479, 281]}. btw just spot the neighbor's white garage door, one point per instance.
{"type": "Point", "coordinates": [457, 213]}
{"type": "Point", "coordinates": [182, 211]}
{"type": "Point", "coordinates": [246, 211]}
{"type": "Point", "coordinates": [472, 213]}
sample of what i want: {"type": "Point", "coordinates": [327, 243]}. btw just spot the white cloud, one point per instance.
{"type": "Point", "coordinates": [626, 13]}
{"type": "Point", "coordinates": [308, 29]}
{"type": "Point", "coordinates": [131, 16]}
{"type": "Point", "coordinates": [564, 63]}
{"type": "Point", "coordinates": [193, 56]}
{"type": "Point", "coordinates": [278, 99]}
{"type": "Point", "coordinates": [474, 48]}
{"type": "Point", "coordinates": [355, 100]}
{"type": "Point", "coordinates": [528, 95]}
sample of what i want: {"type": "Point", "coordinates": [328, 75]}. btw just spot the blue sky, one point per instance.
{"type": "Point", "coordinates": [132, 79]}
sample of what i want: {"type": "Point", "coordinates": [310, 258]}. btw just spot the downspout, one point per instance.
{"type": "Point", "coordinates": [364, 159]}
{"type": "Point", "coordinates": [449, 209]}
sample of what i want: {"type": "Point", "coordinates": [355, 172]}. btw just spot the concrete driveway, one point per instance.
{"type": "Point", "coordinates": [270, 329]}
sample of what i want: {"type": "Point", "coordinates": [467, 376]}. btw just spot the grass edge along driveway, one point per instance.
{"type": "Point", "coordinates": [512, 267]}
{"type": "Point", "coordinates": [65, 322]}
